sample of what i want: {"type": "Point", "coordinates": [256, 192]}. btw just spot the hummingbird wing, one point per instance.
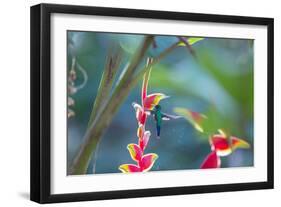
{"type": "Point", "coordinates": [169, 116]}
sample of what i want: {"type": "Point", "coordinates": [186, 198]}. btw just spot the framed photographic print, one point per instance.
{"type": "Point", "coordinates": [133, 103]}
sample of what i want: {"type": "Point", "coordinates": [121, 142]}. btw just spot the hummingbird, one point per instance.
{"type": "Point", "coordinates": [159, 116]}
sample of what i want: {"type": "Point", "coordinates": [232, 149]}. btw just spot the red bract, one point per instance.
{"type": "Point", "coordinates": [152, 100]}
{"type": "Point", "coordinates": [144, 140]}
{"type": "Point", "coordinates": [220, 144]}
{"type": "Point", "coordinates": [147, 161]}
{"type": "Point", "coordinates": [211, 161]}
{"type": "Point", "coordinates": [140, 113]}
{"type": "Point", "coordinates": [135, 152]}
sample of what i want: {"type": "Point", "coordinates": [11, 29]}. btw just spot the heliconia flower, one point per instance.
{"type": "Point", "coordinates": [152, 100]}
{"type": "Point", "coordinates": [128, 168]}
{"type": "Point", "coordinates": [144, 140]}
{"type": "Point", "coordinates": [225, 145]}
{"type": "Point", "coordinates": [144, 161]}
{"type": "Point", "coordinates": [211, 161]}
{"type": "Point", "coordinates": [194, 118]}
{"type": "Point", "coordinates": [222, 145]}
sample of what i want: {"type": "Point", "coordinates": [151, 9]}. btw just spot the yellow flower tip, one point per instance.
{"type": "Point", "coordinates": [131, 150]}
{"type": "Point", "coordinates": [123, 168]}
{"type": "Point", "coordinates": [159, 97]}
{"type": "Point", "coordinates": [154, 157]}
{"type": "Point", "coordinates": [239, 143]}
{"type": "Point", "coordinates": [135, 151]}
{"type": "Point", "coordinates": [130, 146]}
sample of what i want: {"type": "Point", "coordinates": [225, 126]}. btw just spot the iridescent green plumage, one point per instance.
{"type": "Point", "coordinates": [159, 116]}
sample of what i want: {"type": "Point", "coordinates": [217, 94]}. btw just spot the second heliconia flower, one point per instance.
{"type": "Point", "coordinates": [222, 145]}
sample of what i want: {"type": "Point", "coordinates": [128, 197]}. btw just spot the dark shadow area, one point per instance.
{"type": "Point", "coordinates": [24, 195]}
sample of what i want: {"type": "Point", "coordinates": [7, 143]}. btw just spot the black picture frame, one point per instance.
{"type": "Point", "coordinates": [41, 99]}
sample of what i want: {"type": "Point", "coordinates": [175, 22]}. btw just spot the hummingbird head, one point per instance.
{"type": "Point", "coordinates": [158, 107]}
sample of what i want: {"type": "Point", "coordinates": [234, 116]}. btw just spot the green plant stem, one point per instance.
{"type": "Point", "coordinates": [188, 46]}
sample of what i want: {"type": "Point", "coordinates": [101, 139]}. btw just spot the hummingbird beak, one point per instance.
{"type": "Point", "coordinates": [164, 97]}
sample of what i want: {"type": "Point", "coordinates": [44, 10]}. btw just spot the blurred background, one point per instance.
{"type": "Point", "coordinates": [217, 83]}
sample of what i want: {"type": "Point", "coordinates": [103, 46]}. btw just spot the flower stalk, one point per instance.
{"type": "Point", "coordinates": [144, 162]}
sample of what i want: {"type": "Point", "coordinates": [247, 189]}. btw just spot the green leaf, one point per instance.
{"type": "Point", "coordinates": [191, 41]}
